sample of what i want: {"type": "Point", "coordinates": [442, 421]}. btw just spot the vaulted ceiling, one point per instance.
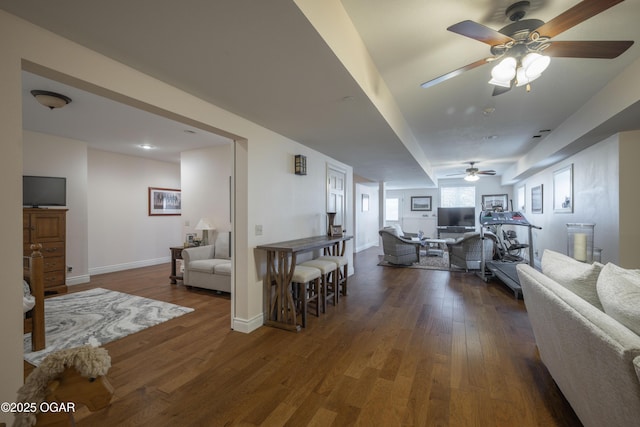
{"type": "Point", "coordinates": [276, 64]}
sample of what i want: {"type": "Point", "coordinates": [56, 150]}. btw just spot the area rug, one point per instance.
{"type": "Point", "coordinates": [426, 263]}
{"type": "Point", "coordinates": [97, 316]}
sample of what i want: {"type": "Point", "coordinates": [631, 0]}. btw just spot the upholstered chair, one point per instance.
{"type": "Point", "coordinates": [466, 252]}
{"type": "Point", "coordinates": [399, 250]}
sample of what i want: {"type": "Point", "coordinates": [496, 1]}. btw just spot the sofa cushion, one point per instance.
{"type": "Point", "coordinates": [578, 277]}
{"type": "Point", "coordinates": [619, 291]}
{"type": "Point", "coordinates": [223, 268]}
{"type": "Point", "coordinates": [206, 265]}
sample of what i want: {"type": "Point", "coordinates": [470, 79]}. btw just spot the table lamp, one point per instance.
{"type": "Point", "coordinates": [205, 225]}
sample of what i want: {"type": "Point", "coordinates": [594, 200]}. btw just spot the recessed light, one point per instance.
{"type": "Point", "coordinates": [146, 146]}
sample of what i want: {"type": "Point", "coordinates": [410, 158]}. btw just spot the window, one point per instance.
{"type": "Point", "coordinates": [391, 212]}
{"type": "Point", "coordinates": [455, 197]}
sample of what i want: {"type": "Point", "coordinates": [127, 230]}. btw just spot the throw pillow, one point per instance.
{"type": "Point", "coordinates": [579, 277]}
{"type": "Point", "coordinates": [619, 291]}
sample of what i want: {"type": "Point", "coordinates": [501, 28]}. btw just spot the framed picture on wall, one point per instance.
{"type": "Point", "coordinates": [164, 201]}
{"type": "Point", "coordinates": [563, 190]}
{"type": "Point", "coordinates": [495, 202]}
{"type": "Point", "coordinates": [536, 199]}
{"type": "Point", "coordinates": [421, 203]}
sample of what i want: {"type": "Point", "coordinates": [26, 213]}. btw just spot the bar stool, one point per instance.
{"type": "Point", "coordinates": [327, 288]}
{"type": "Point", "coordinates": [306, 288]}
{"type": "Point", "coordinates": [342, 269]}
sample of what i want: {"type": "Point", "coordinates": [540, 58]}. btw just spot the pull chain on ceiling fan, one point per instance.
{"type": "Point", "coordinates": [524, 47]}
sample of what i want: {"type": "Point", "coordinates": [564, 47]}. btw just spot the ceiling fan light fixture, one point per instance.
{"type": "Point", "coordinates": [505, 70]}
{"type": "Point", "coordinates": [471, 177]}
{"type": "Point", "coordinates": [534, 64]}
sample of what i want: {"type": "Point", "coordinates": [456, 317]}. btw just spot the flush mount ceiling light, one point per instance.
{"type": "Point", "coordinates": [146, 146]}
{"type": "Point", "coordinates": [50, 99]}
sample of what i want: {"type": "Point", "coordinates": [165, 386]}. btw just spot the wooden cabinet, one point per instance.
{"type": "Point", "coordinates": [49, 228]}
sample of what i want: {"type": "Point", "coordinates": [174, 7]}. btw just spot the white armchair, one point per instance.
{"type": "Point", "coordinates": [209, 266]}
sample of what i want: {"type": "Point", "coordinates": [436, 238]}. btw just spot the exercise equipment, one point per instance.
{"type": "Point", "coordinates": [509, 250]}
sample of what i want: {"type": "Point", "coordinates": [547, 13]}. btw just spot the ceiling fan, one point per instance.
{"type": "Point", "coordinates": [472, 173]}
{"type": "Point", "coordinates": [518, 47]}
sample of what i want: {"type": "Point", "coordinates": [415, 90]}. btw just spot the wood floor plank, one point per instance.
{"type": "Point", "coordinates": [406, 347]}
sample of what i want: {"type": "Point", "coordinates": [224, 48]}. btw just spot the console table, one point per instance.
{"type": "Point", "coordinates": [280, 308]}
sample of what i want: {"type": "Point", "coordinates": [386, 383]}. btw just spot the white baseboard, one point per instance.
{"type": "Point", "coordinates": [365, 247]}
{"type": "Point", "coordinates": [128, 265]}
{"type": "Point", "coordinates": [248, 325]}
{"type": "Point", "coordinates": [78, 280]}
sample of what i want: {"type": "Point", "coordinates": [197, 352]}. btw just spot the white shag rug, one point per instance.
{"type": "Point", "coordinates": [97, 316]}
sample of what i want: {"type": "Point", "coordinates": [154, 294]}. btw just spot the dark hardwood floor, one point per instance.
{"type": "Point", "coordinates": [406, 347]}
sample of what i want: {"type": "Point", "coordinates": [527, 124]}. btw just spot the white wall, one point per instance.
{"type": "Point", "coordinates": [48, 155]}
{"type": "Point", "coordinates": [121, 233]}
{"type": "Point", "coordinates": [367, 221]}
{"type": "Point", "coordinates": [629, 199]}
{"type": "Point", "coordinates": [595, 194]}
{"type": "Point", "coordinates": [205, 176]}
{"type": "Point", "coordinates": [412, 221]}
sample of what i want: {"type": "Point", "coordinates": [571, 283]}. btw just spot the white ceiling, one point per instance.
{"type": "Point", "coordinates": [264, 61]}
{"type": "Point", "coordinates": [109, 125]}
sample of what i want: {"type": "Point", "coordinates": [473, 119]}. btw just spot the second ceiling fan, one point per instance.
{"type": "Point", "coordinates": [522, 48]}
{"type": "Point", "coordinates": [472, 173]}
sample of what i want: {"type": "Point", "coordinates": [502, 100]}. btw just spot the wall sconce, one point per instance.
{"type": "Point", "coordinates": [300, 164]}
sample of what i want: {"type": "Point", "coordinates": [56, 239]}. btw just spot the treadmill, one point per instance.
{"type": "Point", "coordinates": [505, 269]}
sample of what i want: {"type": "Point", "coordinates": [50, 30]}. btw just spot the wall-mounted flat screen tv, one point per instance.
{"type": "Point", "coordinates": [456, 217]}
{"type": "Point", "coordinates": [44, 191]}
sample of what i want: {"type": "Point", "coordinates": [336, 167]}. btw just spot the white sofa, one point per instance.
{"type": "Point", "coordinates": [209, 266]}
{"type": "Point", "coordinates": [586, 322]}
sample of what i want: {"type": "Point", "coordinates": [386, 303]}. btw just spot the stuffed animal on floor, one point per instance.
{"type": "Point", "coordinates": [66, 377]}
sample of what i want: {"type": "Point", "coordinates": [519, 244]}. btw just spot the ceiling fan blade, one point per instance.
{"type": "Point", "coordinates": [574, 16]}
{"type": "Point", "coordinates": [499, 90]}
{"type": "Point", "coordinates": [479, 32]}
{"type": "Point", "coordinates": [487, 172]}
{"type": "Point", "coordinates": [454, 73]}
{"type": "Point", "coordinates": [588, 49]}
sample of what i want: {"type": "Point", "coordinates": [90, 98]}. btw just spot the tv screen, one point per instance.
{"type": "Point", "coordinates": [456, 217]}
{"type": "Point", "coordinates": [44, 191]}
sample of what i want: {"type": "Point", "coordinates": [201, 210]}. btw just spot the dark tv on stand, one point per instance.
{"type": "Point", "coordinates": [38, 191]}
{"type": "Point", "coordinates": [457, 218]}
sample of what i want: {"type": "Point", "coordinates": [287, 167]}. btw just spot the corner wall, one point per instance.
{"type": "Point", "coordinates": [205, 176]}
{"type": "Point", "coordinates": [49, 155]}
{"type": "Point", "coordinates": [122, 235]}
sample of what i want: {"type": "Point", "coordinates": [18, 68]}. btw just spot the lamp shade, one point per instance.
{"type": "Point", "coordinates": [204, 224]}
